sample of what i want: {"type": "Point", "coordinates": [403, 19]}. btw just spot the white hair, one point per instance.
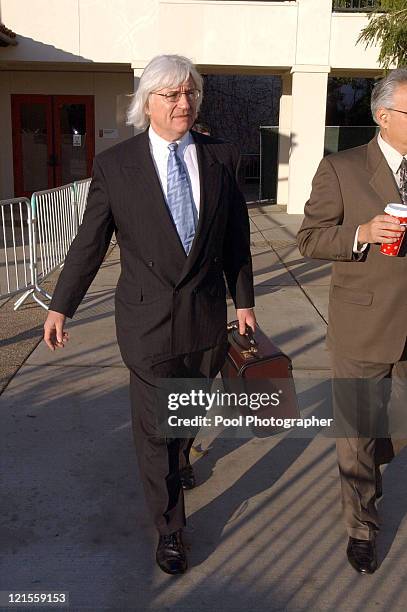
{"type": "Point", "coordinates": [162, 71]}
{"type": "Point", "coordinates": [383, 91]}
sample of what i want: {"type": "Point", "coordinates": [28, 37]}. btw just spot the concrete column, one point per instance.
{"type": "Point", "coordinates": [309, 91]}
{"type": "Point", "coordinates": [309, 88]}
{"type": "Point", "coordinates": [284, 138]}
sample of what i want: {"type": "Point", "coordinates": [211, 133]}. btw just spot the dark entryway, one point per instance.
{"type": "Point", "coordinates": [53, 140]}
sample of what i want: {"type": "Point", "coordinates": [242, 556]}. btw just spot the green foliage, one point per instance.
{"type": "Point", "coordinates": [388, 28]}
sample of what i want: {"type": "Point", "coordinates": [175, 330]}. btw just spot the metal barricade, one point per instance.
{"type": "Point", "coordinates": [81, 189]}
{"type": "Point", "coordinates": [81, 195]}
{"type": "Point", "coordinates": [36, 236]}
{"type": "Point", "coordinates": [55, 218]}
{"type": "Point", "coordinates": [55, 224]}
{"type": "Point", "coordinates": [16, 247]}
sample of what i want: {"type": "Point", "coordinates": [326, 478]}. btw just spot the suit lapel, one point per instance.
{"type": "Point", "coordinates": [210, 174]}
{"type": "Point", "coordinates": [141, 173]}
{"type": "Point", "coordinates": [382, 179]}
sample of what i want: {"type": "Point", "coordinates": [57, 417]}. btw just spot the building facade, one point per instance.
{"type": "Point", "coordinates": [64, 86]}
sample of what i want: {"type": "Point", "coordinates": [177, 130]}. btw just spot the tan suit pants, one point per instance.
{"type": "Point", "coordinates": [363, 394]}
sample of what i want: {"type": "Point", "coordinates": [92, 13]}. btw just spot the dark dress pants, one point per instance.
{"type": "Point", "coordinates": [370, 407]}
{"type": "Point", "coordinates": [160, 458]}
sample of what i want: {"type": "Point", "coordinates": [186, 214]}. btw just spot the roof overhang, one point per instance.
{"type": "Point", "coordinates": [7, 36]}
{"type": "Point", "coordinates": [38, 66]}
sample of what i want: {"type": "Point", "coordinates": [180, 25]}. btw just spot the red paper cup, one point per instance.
{"type": "Point", "coordinates": [399, 211]}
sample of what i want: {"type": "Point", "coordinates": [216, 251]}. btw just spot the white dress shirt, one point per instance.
{"type": "Point", "coordinates": [186, 152]}
{"type": "Point", "coordinates": [394, 159]}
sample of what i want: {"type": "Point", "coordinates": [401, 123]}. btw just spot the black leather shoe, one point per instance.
{"type": "Point", "coordinates": [362, 555]}
{"type": "Point", "coordinates": [170, 554]}
{"type": "Point", "coordinates": [187, 477]}
{"type": "Point", "coordinates": [379, 487]}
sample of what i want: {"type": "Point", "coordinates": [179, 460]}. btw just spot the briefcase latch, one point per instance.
{"type": "Point", "coordinates": [246, 343]}
{"type": "Point", "coordinates": [251, 351]}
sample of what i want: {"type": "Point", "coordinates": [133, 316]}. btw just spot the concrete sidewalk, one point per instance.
{"type": "Point", "coordinates": [264, 528]}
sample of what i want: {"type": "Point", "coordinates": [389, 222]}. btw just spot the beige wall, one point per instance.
{"type": "Point", "coordinates": [301, 37]}
{"type": "Point", "coordinates": [313, 32]}
{"type": "Point", "coordinates": [46, 29]}
{"type": "Point", "coordinates": [109, 90]}
{"type": "Point", "coordinates": [82, 30]}
{"type": "Point", "coordinates": [344, 52]}
{"type": "Point", "coordinates": [232, 34]}
{"type": "Point", "coordinates": [272, 34]}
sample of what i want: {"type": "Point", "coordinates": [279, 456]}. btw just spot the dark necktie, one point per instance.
{"type": "Point", "coordinates": [403, 180]}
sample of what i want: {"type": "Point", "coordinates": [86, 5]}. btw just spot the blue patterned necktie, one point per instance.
{"type": "Point", "coordinates": [179, 198]}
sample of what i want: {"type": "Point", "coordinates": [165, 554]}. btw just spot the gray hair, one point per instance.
{"type": "Point", "coordinates": [383, 91]}
{"type": "Point", "coordinates": [162, 71]}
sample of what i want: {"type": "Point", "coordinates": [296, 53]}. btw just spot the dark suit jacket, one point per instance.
{"type": "Point", "coordinates": [166, 303]}
{"type": "Point", "coordinates": [368, 293]}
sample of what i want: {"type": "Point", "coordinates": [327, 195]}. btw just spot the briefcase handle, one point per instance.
{"type": "Point", "coordinates": [246, 341]}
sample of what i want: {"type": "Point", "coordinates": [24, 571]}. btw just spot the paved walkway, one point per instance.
{"type": "Point", "coordinates": [264, 528]}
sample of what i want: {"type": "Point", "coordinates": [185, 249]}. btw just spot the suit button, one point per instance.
{"type": "Point", "coordinates": [176, 291]}
{"type": "Point", "coordinates": [150, 264]}
{"type": "Point", "coordinates": [215, 259]}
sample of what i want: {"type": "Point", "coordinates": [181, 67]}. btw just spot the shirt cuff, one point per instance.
{"type": "Point", "coordinates": [355, 243]}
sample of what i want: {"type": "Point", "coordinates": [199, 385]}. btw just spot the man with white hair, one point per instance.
{"type": "Point", "coordinates": [181, 223]}
{"type": "Point", "coordinates": [367, 328]}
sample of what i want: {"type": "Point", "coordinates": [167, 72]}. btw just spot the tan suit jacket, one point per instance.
{"type": "Point", "coordinates": [368, 293]}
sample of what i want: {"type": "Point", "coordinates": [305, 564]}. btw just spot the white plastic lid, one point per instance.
{"type": "Point", "coordinates": [396, 210]}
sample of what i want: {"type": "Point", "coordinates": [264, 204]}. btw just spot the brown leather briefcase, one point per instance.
{"type": "Point", "coordinates": [255, 365]}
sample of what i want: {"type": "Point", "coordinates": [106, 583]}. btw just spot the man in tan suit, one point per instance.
{"type": "Point", "coordinates": [367, 328]}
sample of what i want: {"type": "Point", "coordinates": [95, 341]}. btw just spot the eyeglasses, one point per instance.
{"type": "Point", "coordinates": [398, 111]}
{"type": "Point", "coordinates": [174, 96]}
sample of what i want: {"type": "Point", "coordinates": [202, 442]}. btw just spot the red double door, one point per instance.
{"type": "Point", "coordinates": [53, 141]}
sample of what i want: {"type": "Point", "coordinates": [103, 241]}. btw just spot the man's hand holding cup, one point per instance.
{"type": "Point", "coordinates": [387, 229]}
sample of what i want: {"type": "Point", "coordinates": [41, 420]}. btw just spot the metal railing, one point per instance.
{"type": "Point", "coordinates": [337, 138]}
{"type": "Point", "coordinates": [250, 166]}
{"type": "Point", "coordinates": [341, 137]}
{"type": "Point", "coordinates": [16, 256]}
{"type": "Point", "coordinates": [55, 219]}
{"type": "Point", "coordinates": [81, 195]}
{"type": "Point", "coordinates": [354, 6]}
{"type": "Point", "coordinates": [35, 238]}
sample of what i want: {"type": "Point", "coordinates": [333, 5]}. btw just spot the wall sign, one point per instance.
{"type": "Point", "coordinates": [108, 133]}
